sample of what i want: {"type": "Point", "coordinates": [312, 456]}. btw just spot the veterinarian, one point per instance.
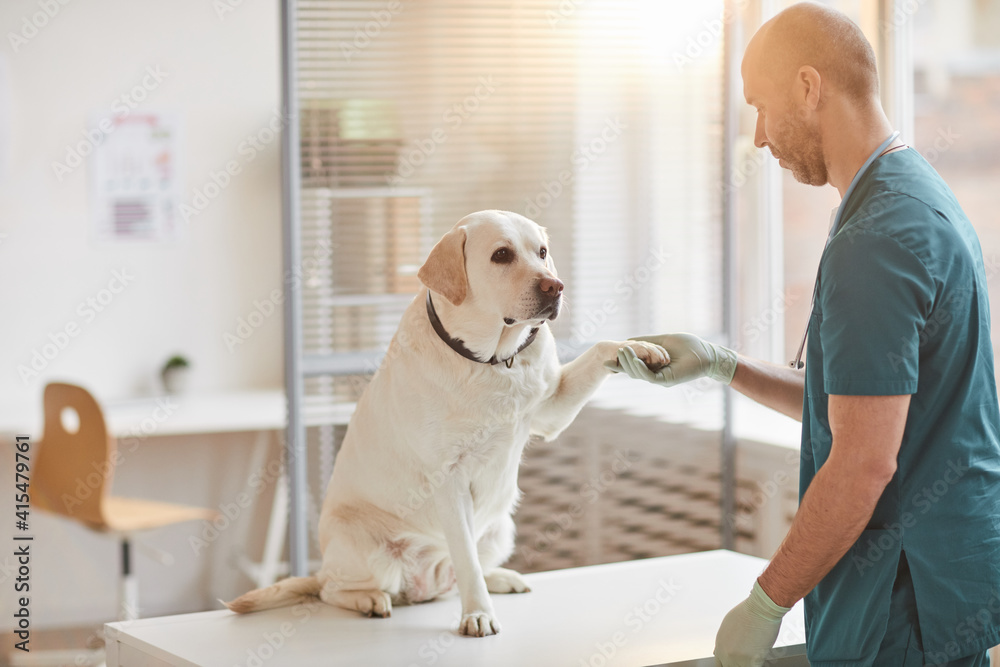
{"type": "Point", "coordinates": [896, 544]}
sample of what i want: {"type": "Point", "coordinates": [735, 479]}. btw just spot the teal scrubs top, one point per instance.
{"type": "Point", "coordinates": [902, 308]}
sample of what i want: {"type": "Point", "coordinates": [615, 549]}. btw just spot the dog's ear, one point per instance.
{"type": "Point", "coordinates": [444, 270]}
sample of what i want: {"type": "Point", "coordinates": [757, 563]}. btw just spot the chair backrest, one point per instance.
{"type": "Point", "coordinates": [72, 471]}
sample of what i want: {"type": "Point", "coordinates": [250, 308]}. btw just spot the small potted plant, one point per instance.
{"type": "Point", "coordinates": [175, 374]}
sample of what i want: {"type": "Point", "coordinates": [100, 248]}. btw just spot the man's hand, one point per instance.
{"type": "Point", "coordinates": [749, 631]}
{"type": "Point", "coordinates": [691, 358]}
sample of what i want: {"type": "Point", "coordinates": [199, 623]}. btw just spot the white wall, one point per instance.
{"type": "Point", "coordinates": [222, 78]}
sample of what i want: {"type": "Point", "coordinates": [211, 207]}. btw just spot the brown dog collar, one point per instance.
{"type": "Point", "coordinates": [457, 344]}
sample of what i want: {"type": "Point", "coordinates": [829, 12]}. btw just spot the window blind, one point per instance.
{"type": "Point", "coordinates": [599, 119]}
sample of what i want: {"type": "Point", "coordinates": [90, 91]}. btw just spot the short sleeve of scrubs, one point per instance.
{"type": "Point", "coordinates": [874, 299]}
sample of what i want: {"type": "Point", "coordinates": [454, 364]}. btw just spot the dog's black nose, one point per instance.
{"type": "Point", "coordinates": [551, 286]}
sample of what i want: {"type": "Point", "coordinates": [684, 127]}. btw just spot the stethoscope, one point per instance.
{"type": "Point", "coordinates": [797, 362]}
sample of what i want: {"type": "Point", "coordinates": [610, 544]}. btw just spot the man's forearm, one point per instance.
{"type": "Point", "coordinates": [777, 387]}
{"type": "Point", "coordinates": [835, 510]}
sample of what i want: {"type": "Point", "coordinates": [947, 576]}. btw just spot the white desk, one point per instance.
{"type": "Point", "coordinates": [185, 414]}
{"type": "Point", "coordinates": [261, 412]}
{"type": "Point", "coordinates": [651, 612]}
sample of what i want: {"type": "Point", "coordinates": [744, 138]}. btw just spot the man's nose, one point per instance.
{"type": "Point", "coordinates": [759, 138]}
{"type": "Point", "coordinates": [551, 286]}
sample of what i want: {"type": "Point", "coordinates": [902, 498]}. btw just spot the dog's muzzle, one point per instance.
{"type": "Point", "coordinates": [549, 310]}
{"type": "Point", "coordinates": [550, 293]}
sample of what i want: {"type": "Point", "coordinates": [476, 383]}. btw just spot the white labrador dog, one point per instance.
{"type": "Point", "coordinates": [425, 484]}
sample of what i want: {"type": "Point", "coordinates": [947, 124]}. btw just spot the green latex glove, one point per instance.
{"type": "Point", "coordinates": [691, 358]}
{"type": "Point", "coordinates": [749, 631]}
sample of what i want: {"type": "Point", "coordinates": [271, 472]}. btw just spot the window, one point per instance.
{"type": "Point", "coordinates": [957, 92]}
{"type": "Point", "coordinates": [783, 223]}
{"type": "Point", "coordinates": [599, 119]}
{"type": "Point", "coordinates": [596, 119]}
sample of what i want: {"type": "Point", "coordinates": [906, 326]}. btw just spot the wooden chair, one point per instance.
{"type": "Point", "coordinates": [72, 476]}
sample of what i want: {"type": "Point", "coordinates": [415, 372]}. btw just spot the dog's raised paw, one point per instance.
{"type": "Point", "coordinates": [478, 624]}
{"type": "Point", "coordinates": [654, 356]}
{"type": "Point", "coordinates": [502, 580]}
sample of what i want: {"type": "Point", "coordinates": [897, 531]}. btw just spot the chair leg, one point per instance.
{"type": "Point", "coordinates": [277, 531]}
{"type": "Point", "coordinates": [129, 586]}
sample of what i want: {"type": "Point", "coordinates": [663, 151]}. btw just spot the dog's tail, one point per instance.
{"type": "Point", "coordinates": [282, 594]}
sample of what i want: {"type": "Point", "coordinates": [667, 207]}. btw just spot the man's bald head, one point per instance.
{"type": "Point", "coordinates": [810, 34]}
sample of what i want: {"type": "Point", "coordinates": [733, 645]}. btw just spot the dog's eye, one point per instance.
{"type": "Point", "coordinates": [502, 256]}
{"type": "Point", "coordinates": [543, 252]}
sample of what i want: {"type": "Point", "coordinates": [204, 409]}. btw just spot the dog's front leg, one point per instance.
{"type": "Point", "coordinates": [580, 378]}
{"type": "Point", "coordinates": [455, 511]}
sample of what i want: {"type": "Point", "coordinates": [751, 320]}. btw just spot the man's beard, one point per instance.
{"type": "Point", "coordinates": [802, 150]}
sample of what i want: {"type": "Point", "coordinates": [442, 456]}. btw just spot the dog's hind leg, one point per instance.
{"type": "Point", "coordinates": [347, 576]}
{"type": "Point", "coordinates": [369, 601]}
{"type": "Point", "coordinates": [348, 585]}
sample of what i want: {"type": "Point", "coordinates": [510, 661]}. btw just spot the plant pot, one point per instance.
{"type": "Point", "coordinates": [175, 380]}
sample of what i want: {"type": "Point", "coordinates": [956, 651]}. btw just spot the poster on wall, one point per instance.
{"type": "Point", "coordinates": [134, 182]}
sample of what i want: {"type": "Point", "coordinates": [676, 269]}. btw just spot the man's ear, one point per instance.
{"type": "Point", "coordinates": [811, 86]}
{"type": "Point", "coordinates": [444, 270]}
